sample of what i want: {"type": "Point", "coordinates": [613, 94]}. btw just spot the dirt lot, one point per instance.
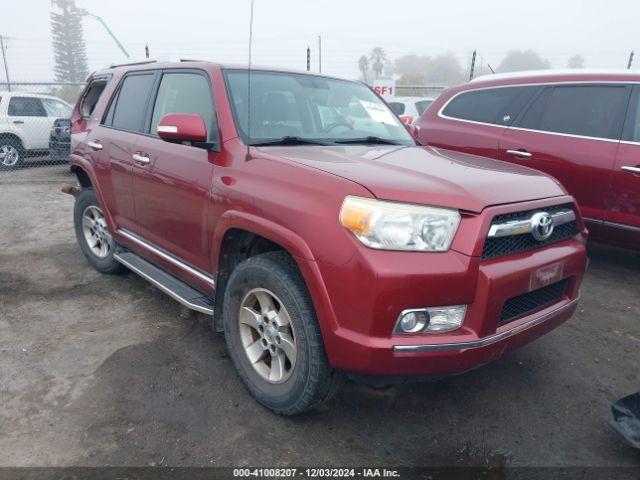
{"type": "Point", "coordinates": [102, 370]}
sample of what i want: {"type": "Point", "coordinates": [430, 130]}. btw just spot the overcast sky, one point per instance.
{"type": "Point", "coordinates": [603, 32]}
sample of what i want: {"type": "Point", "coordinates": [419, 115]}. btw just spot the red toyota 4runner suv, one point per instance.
{"type": "Point", "coordinates": [581, 127]}
{"type": "Point", "coordinates": [301, 214]}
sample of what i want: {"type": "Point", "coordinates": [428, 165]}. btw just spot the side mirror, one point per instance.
{"type": "Point", "coordinates": [182, 127]}
{"type": "Point", "coordinates": [414, 130]}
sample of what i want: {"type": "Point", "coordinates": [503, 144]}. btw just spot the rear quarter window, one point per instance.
{"type": "Point", "coordinates": [91, 96]}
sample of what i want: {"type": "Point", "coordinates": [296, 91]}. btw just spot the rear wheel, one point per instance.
{"type": "Point", "coordinates": [273, 336]}
{"type": "Point", "coordinates": [11, 153]}
{"type": "Point", "coordinates": [93, 234]}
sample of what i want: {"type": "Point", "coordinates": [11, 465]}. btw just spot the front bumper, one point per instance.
{"type": "Point", "coordinates": [554, 312]}
{"type": "Point", "coordinates": [368, 293]}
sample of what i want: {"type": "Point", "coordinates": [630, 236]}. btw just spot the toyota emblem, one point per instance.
{"type": "Point", "coordinates": [541, 226]}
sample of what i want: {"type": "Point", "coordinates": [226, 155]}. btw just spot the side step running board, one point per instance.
{"type": "Point", "coordinates": [172, 286]}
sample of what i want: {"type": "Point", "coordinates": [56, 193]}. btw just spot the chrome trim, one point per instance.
{"type": "Point", "coordinates": [519, 227]}
{"type": "Point", "coordinates": [535, 84]}
{"type": "Point", "coordinates": [634, 170]}
{"type": "Point", "coordinates": [141, 159]}
{"type": "Point", "coordinates": [94, 145]}
{"type": "Point", "coordinates": [488, 340]}
{"type": "Point", "coordinates": [162, 287]}
{"type": "Point", "coordinates": [166, 256]}
{"type": "Point", "coordinates": [519, 153]}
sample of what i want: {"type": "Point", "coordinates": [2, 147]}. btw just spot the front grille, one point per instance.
{"type": "Point", "coordinates": [528, 303]}
{"type": "Point", "coordinates": [501, 246]}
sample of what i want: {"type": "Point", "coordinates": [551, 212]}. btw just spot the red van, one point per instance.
{"type": "Point", "coordinates": [583, 128]}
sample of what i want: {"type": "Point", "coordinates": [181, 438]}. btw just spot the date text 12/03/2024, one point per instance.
{"type": "Point", "coordinates": [315, 473]}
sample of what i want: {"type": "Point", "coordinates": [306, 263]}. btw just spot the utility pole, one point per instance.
{"type": "Point", "coordinates": [4, 59]}
{"type": "Point", "coordinates": [473, 64]}
{"type": "Point", "coordinates": [320, 53]}
{"type": "Point", "coordinates": [630, 60]}
{"type": "Point", "coordinates": [308, 59]}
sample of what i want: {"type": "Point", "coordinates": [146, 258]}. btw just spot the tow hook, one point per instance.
{"type": "Point", "coordinates": [71, 190]}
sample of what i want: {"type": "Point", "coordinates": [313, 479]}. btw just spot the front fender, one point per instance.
{"type": "Point", "coordinates": [295, 245]}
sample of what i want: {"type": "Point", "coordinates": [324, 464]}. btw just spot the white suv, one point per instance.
{"type": "Point", "coordinates": [25, 125]}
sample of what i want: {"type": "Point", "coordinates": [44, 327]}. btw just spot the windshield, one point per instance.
{"type": "Point", "coordinates": [286, 106]}
{"type": "Point", "coordinates": [56, 109]}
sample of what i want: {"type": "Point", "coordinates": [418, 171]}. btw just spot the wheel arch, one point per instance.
{"type": "Point", "coordinates": [240, 235]}
{"type": "Point", "coordinates": [83, 170]}
{"type": "Point", "coordinates": [12, 136]}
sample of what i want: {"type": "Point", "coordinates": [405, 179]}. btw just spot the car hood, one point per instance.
{"type": "Point", "coordinates": [426, 175]}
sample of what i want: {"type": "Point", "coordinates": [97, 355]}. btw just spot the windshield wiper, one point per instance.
{"type": "Point", "coordinates": [289, 140]}
{"type": "Point", "coordinates": [370, 139]}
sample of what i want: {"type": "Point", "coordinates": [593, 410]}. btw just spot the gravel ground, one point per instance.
{"type": "Point", "coordinates": [104, 370]}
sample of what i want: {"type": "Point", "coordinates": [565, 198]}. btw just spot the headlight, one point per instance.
{"type": "Point", "coordinates": [399, 226]}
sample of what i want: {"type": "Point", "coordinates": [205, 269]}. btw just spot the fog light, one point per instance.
{"type": "Point", "coordinates": [431, 319]}
{"type": "Point", "coordinates": [412, 321]}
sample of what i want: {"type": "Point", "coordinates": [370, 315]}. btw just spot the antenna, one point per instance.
{"type": "Point", "coordinates": [248, 156]}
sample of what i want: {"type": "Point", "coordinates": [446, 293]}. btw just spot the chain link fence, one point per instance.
{"type": "Point", "coordinates": [34, 130]}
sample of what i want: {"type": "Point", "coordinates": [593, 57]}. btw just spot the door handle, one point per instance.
{"type": "Point", "coordinates": [519, 153]}
{"type": "Point", "coordinates": [95, 145]}
{"type": "Point", "coordinates": [635, 170]}
{"type": "Point", "coordinates": [18, 122]}
{"type": "Point", "coordinates": [140, 159]}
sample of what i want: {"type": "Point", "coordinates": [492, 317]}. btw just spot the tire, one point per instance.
{"type": "Point", "coordinates": [12, 153]}
{"type": "Point", "coordinates": [310, 380]}
{"type": "Point", "coordinates": [100, 255]}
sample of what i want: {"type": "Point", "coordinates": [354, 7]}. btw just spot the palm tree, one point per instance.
{"type": "Point", "coordinates": [377, 57]}
{"type": "Point", "coordinates": [363, 66]}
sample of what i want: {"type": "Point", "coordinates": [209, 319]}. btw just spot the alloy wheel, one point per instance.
{"type": "Point", "coordinates": [9, 155]}
{"type": "Point", "coordinates": [267, 335]}
{"type": "Point", "coordinates": [96, 233]}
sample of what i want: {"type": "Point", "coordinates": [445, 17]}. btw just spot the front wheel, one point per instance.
{"type": "Point", "coordinates": [93, 235]}
{"type": "Point", "coordinates": [273, 336]}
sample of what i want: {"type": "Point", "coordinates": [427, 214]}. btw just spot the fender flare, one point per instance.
{"type": "Point", "coordinates": [79, 162]}
{"type": "Point", "coordinates": [292, 243]}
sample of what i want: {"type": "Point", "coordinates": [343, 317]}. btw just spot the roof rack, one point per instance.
{"type": "Point", "coordinates": [129, 64]}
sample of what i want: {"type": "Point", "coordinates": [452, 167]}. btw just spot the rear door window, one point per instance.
{"type": "Point", "coordinates": [185, 92]}
{"type": "Point", "coordinates": [585, 110]}
{"type": "Point", "coordinates": [498, 106]}
{"type": "Point", "coordinates": [26, 107]}
{"type": "Point", "coordinates": [128, 111]}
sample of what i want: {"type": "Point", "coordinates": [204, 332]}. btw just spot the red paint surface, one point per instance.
{"type": "Point", "coordinates": [187, 198]}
